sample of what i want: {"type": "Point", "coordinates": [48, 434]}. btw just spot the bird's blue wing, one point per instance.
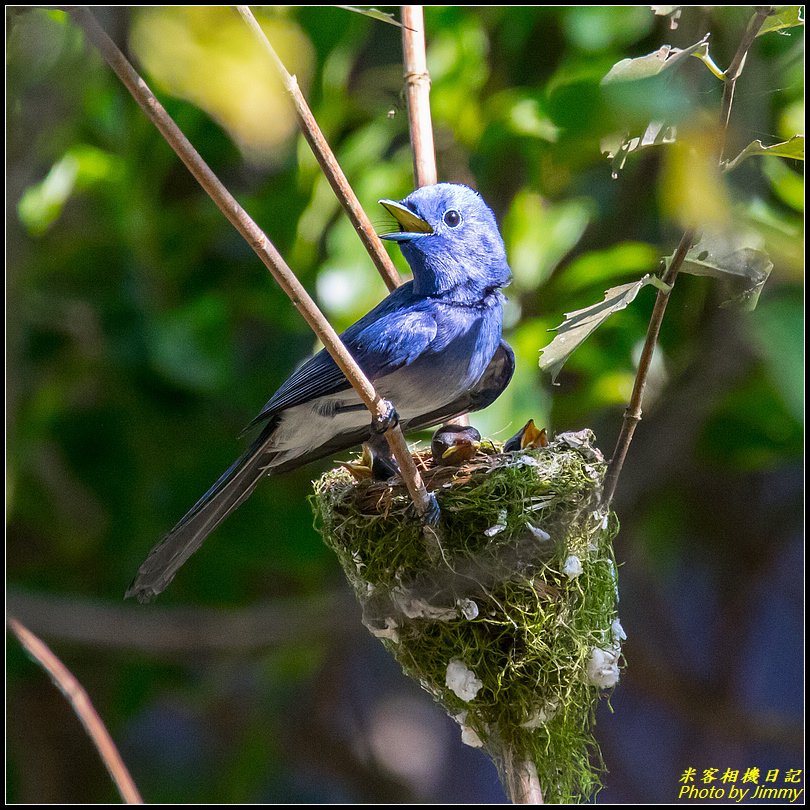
{"type": "Point", "coordinates": [380, 344]}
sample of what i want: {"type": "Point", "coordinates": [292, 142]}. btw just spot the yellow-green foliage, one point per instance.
{"type": "Point", "coordinates": [497, 591]}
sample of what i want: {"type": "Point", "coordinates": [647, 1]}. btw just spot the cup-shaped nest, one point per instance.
{"type": "Point", "coordinates": [506, 612]}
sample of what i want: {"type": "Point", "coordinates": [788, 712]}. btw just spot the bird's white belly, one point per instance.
{"type": "Point", "coordinates": [426, 385]}
{"type": "Point", "coordinates": [314, 423]}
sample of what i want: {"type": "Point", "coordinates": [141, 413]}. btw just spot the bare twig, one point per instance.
{"type": "Point", "coordinates": [632, 415]}
{"type": "Point", "coordinates": [264, 249]}
{"type": "Point", "coordinates": [417, 91]}
{"type": "Point", "coordinates": [735, 69]}
{"type": "Point", "coordinates": [327, 160]}
{"type": "Point", "coordinates": [80, 702]}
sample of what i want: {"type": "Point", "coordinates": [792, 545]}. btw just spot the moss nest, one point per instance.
{"type": "Point", "coordinates": [507, 612]}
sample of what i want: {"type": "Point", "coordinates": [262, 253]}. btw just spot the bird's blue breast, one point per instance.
{"type": "Point", "coordinates": [466, 337]}
{"type": "Point", "coordinates": [465, 341]}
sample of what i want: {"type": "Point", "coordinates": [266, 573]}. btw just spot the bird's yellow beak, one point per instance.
{"type": "Point", "coordinates": [533, 437]}
{"type": "Point", "coordinates": [360, 469]}
{"type": "Point", "coordinates": [454, 448]}
{"type": "Point", "coordinates": [411, 226]}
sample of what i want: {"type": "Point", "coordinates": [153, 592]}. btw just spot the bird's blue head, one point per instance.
{"type": "Point", "coordinates": [450, 238]}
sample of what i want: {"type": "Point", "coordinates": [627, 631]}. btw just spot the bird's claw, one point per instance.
{"type": "Point", "coordinates": [389, 418]}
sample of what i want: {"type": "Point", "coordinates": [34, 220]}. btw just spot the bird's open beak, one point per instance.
{"type": "Point", "coordinates": [454, 448]}
{"type": "Point", "coordinates": [361, 468]}
{"type": "Point", "coordinates": [411, 226]}
{"type": "Point", "coordinates": [533, 437]}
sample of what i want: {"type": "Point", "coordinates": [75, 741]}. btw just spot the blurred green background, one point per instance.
{"type": "Point", "coordinates": [143, 334]}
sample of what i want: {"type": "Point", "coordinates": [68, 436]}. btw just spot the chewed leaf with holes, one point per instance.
{"type": "Point", "coordinates": [742, 269]}
{"type": "Point", "coordinates": [579, 325]}
{"type": "Point", "coordinates": [794, 148]}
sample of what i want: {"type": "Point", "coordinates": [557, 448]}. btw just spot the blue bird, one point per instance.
{"type": "Point", "coordinates": [433, 347]}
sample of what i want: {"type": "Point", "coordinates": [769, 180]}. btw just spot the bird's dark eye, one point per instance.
{"type": "Point", "coordinates": [452, 218]}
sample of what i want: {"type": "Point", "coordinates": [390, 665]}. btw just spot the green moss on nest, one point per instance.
{"type": "Point", "coordinates": [507, 616]}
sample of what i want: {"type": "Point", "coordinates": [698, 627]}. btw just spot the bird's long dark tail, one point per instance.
{"type": "Point", "coordinates": [229, 491]}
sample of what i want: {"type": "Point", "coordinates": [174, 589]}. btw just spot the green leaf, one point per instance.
{"type": "Point", "coordinates": [786, 17]}
{"type": "Point", "coordinates": [660, 130]}
{"type": "Point", "coordinates": [375, 14]}
{"type": "Point", "coordinates": [794, 148]}
{"type": "Point", "coordinates": [786, 184]}
{"type": "Point", "coordinates": [579, 325]}
{"type": "Point", "coordinates": [605, 29]}
{"type": "Point", "coordinates": [645, 67]}
{"type": "Point", "coordinates": [742, 269]}
{"type": "Point", "coordinates": [751, 428]}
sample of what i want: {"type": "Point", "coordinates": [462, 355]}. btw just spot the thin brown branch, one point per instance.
{"type": "Point", "coordinates": [417, 92]}
{"type": "Point", "coordinates": [632, 415]}
{"type": "Point", "coordinates": [327, 160]}
{"type": "Point", "coordinates": [380, 409]}
{"type": "Point", "coordinates": [735, 69]}
{"type": "Point", "coordinates": [80, 702]}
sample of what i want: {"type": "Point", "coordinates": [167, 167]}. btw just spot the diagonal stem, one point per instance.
{"type": "Point", "coordinates": [736, 67]}
{"type": "Point", "coordinates": [81, 704]}
{"type": "Point", "coordinates": [327, 160]}
{"type": "Point", "coordinates": [264, 249]}
{"type": "Point", "coordinates": [632, 415]}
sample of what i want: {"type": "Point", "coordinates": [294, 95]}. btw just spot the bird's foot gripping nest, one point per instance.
{"type": "Point", "coordinates": [513, 627]}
